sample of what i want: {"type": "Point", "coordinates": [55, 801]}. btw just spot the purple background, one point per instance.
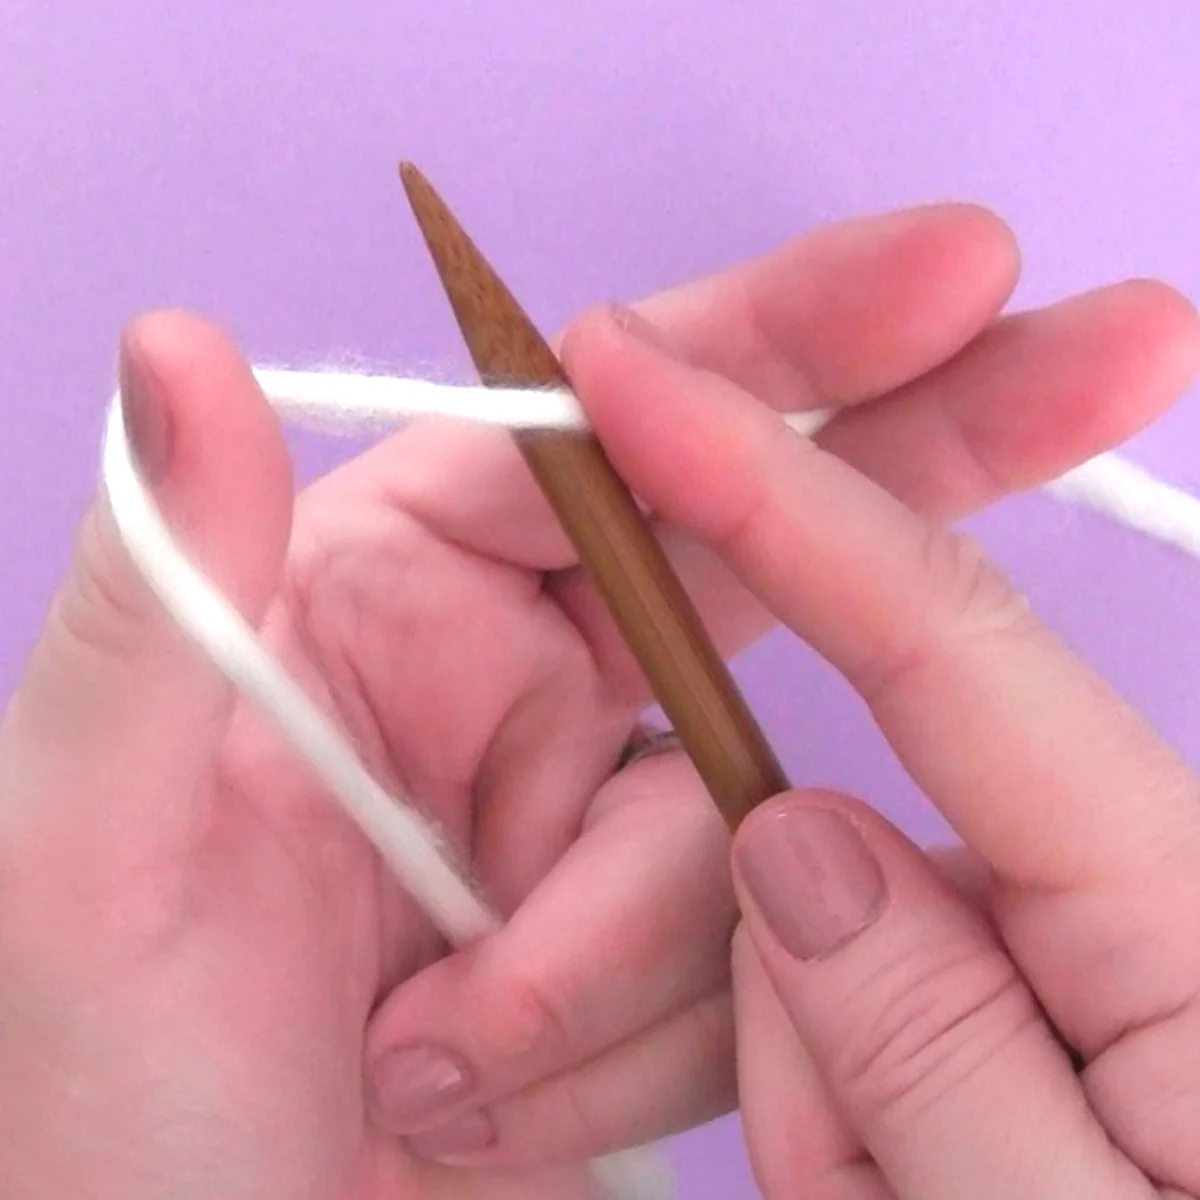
{"type": "Point", "coordinates": [239, 159]}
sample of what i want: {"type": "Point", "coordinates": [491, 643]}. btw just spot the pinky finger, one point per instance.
{"type": "Point", "coordinates": [671, 1077]}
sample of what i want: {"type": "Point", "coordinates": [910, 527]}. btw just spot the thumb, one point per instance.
{"type": "Point", "coordinates": [111, 735]}
{"type": "Point", "coordinates": [920, 1025]}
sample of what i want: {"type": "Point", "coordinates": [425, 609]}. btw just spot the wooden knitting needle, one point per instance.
{"type": "Point", "coordinates": [652, 610]}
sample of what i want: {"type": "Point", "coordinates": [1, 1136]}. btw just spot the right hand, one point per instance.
{"type": "Point", "coordinates": [1018, 1016]}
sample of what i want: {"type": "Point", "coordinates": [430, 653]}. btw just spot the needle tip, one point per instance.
{"type": "Point", "coordinates": [410, 176]}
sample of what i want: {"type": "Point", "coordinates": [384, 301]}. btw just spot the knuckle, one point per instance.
{"type": "Point", "coordinates": [101, 607]}
{"type": "Point", "coordinates": [973, 601]}
{"type": "Point", "coordinates": [563, 1120]}
{"type": "Point", "coordinates": [979, 598]}
{"type": "Point", "coordinates": [533, 1025]}
{"type": "Point", "coordinates": [743, 513]}
{"type": "Point", "coordinates": [572, 1114]}
{"type": "Point", "coordinates": [1156, 1118]}
{"type": "Point", "coordinates": [579, 1120]}
{"type": "Point", "coordinates": [945, 1020]}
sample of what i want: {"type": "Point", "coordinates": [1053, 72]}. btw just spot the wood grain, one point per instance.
{"type": "Point", "coordinates": [648, 602]}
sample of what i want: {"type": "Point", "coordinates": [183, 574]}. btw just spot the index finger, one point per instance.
{"type": "Point", "coordinates": [1032, 758]}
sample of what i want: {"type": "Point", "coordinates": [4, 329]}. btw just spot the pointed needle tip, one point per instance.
{"type": "Point", "coordinates": [410, 176]}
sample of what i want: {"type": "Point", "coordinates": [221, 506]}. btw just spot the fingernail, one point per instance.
{"type": "Point", "coordinates": [636, 326]}
{"type": "Point", "coordinates": [415, 1084]}
{"type": "Point", "coordinates": [813, 878]}
{"type": "Point", "coordinates": [467, 1135]}
{"type": "Point", "coordinates": [147, 422]}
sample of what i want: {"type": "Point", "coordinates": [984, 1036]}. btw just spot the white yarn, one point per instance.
{"type": "Point", "coordinates": [338, 403]}
{"type": "Point", "coordinates": [1131, 496]}
{"type": "Point", "coordinates": [411, 844]}
{"type": "Point", "coordinates": [348, 402]}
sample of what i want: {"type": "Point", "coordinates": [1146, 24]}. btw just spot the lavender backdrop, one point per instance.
{"type": "Point", "coordinates": [239, 159]}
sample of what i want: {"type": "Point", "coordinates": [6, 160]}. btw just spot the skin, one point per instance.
{"type": "Point", "coordinates": [202, 964]}
{"type": "Point", "coordinates": [1020, 1016]}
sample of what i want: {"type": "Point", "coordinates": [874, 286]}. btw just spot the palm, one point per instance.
{"type": "Point", "coordinates": [432, 656]}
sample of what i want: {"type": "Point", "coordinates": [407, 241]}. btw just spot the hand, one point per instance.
{"type": "Point", "coordinates": [209, 986]}
{"type": "Point", "coordinates": [1016, 1017]}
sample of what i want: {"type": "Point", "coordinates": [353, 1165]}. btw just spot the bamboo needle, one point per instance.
{"type": "Point", "coordinates": [647, 601]}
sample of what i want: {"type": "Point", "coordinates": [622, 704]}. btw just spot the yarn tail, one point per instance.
{"type": "Point", "coordinates": [1129, 495]}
